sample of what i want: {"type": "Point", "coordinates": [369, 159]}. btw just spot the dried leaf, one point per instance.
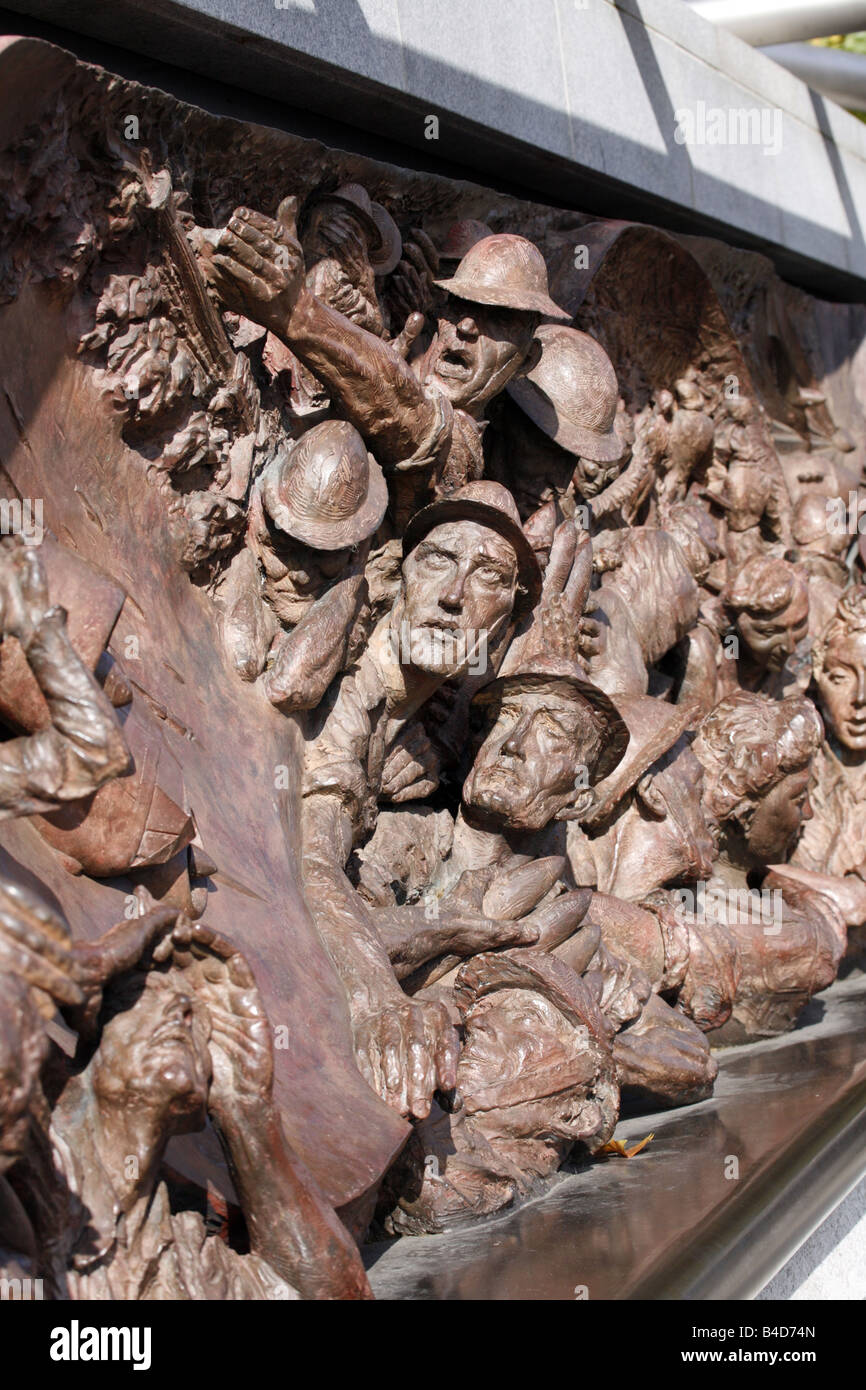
{"type": "Point", "coordinates": [616, 1146]}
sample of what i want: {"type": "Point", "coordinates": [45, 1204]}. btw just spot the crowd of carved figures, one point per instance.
{"type": "Point", "coordinates": [581, 680]}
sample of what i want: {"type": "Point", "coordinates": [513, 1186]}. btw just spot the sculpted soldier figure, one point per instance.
{"type": "Point", "coordinates": [467, 569]}
{"type": "Point", "coordinates": [294, 598]}
{"type": "Point", "coordinates": [558, 440]}
{"type": "Point", "coordinates": [421, 420]}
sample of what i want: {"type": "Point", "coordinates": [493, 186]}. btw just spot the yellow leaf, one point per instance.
{"type": "Point", "coordinates": [616, 1146]}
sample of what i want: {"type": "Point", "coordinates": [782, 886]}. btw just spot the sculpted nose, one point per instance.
{"type": "Point", "coordinates": [467, 328]}
{"type": "Point", "coordinates": [451, 598]}
{"type": "Point", "coordinates": [860, 698]}
{"type": "Point", "coordinates": [513, 745]}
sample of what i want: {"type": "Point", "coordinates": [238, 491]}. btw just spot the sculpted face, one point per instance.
{"type": "Point", "coordinates": [842, 685]}
{"type": "Point", "coordinates": [772, 637]}
{"type": "Point", "coordinates": [476, 351]}
{"type": "Point", "coordinates": [513, 1038]}
{"type": "Point", "coordinates": [538, 757]}
{"type": "Point", "coordinates": [591, 478]}
{"type": "Point", "coordinates": [779, 816]}
{"type": "Point", "coordinates": [459, 586]}
{"type": "Point", "coordinates": [155, 1053]}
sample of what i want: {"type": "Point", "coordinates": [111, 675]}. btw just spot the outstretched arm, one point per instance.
{"type": "Point", "coordinates": [257, 269]}
{"type": "Point", "coordinates": [406, 1050]}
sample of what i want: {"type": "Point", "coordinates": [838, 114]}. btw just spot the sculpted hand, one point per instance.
{"type": "Point", "coordinates": [411, 769]}
{"type": "Point", "coordinates": [241, 1046]}
{"type": "Point", "coordinates": [467, 933]}
{"type": "Point", "coordinates": [406, 1051]}
{"type": "Point", "coordinates": [257, 266]}
{"type": "Point", "coordinates": [558, 623]}
{"type": "Point", "coordinates": [410, 286]}
{"type": "Point", "coordinates": [36, 946]}
{"type": "Point", "coordinates": [121, 948]}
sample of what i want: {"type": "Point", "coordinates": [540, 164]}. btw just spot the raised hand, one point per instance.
{"type": "Point", "coordinates": [122, 948]}
{"type": "Point", "coordinates": [410, 286]}
{"type": "Point", "coordinates": [411, 768]}
{"type": "Point", "coordinates": [256, 266]}
{"type": "Point", "coordinates": [36, 946]}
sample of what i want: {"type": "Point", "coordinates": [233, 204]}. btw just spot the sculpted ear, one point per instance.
{"type": "Point", "coordinates": [531, 360]}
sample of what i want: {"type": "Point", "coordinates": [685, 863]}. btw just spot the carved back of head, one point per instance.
{"type": "Point", "coordinates": [326, 490]}
{"type": "Point", "coordinates": [764, 584]}
{"type": "Point", "coordinates": [748, 744]}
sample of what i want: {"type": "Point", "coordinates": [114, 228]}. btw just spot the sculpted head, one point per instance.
{"type": "Point", "coordinates": [521, 1019]}
{"type": "Point", "coordinates": [550, 739]}
{"type": "Point", "coordinates": [571, 395]}
{"type": "Point", "coordinates": [467, 566]}
{"type": "Point", "coordinates": [153, 1052]}
{"type": "Point", "coordinates": [539, 759]}
{"type": "Point", "coordinates": [476, 351]}
{"type": "Point", "coordinates": [839, 660]}
{"type": "Point", "coordinates": [769, 599]}
{"type": "Point", "coordinates": [756, 754]}
{"type": "Point", "coordinates": [485, 335]}
{"type": "Point", "coordinates": [459, 585]}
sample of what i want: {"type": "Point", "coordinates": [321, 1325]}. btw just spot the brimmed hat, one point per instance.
{"type": "Point", "coordinates": [461, 237]}
{"type": "Point", "coordinates": [385, 244]}
{"type": "Point", "coordinates": [326, 490]}
{"type": "Point", "coordinates": [655, 727]}
{"type": "Point", "coordinates": [489, 504]}
{"type": "Point", "coordinates": [541, 669]}
{"type": "Point", "coordinates": [506, 271]}
{"type": "Point", "coordinates": [571, 394]}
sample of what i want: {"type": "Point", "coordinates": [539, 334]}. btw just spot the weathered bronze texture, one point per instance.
{"type": "Point", "coordinates": [433, 688]}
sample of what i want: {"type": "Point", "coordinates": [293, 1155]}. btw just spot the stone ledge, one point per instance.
{"type": "Point", "coordinates": [578, 102]}
{"type": "Point", "coordinates": [669, 1224]}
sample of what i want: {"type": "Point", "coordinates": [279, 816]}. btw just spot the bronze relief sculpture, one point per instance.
{"type": "Point", "coordinates": [458, 725]}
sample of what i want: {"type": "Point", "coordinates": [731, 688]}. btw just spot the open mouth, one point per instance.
{"type": "Point", "coordinates": [455, 364]}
